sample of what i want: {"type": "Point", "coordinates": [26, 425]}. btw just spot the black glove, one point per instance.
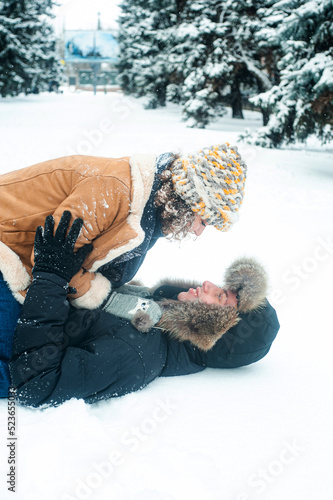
{"type": "Point", "coordinates": [55, 254]}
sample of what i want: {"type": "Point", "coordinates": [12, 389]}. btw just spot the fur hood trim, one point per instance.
{"type": "Point", "coordinates": [249, 280]}
{"type": "Point", "coordinates": [201, 324]}
{"type": "Point", "coordinates": [177, 282]}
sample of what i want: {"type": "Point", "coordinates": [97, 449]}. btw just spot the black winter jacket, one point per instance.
{"type": "Point", "coordinates": [61, 352]}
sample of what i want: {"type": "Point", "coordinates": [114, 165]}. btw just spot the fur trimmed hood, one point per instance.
{"type": "Point", "coordinates": [204, 324]}
{"type": "Point", "coordinates": [248, 279]}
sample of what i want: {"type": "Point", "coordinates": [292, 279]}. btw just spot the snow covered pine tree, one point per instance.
{"type": "Point", "coordinates": [200, 54]}
{"type": "Point", "coordinates": [222, 59]}
{"type": "Point", "coordinates": [302, 103]}
{"type": "Point", "coordinates": [28, 58]}
{"type": "Point", "coordinates": [144, 68]}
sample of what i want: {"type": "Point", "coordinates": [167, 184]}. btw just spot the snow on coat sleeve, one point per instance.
{"type": "Point", "coordinates": [51, 363]}
{"type": "Point", "coordinates": [103, 203]}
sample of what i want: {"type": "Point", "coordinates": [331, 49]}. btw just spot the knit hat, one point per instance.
{"type": "Point", "coordinates": [211, 182]}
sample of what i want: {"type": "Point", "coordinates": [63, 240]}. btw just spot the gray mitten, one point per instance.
{"type": "Point", "coordinates": [139, 291]}
{"type": "Point", "coordinates": [143, 313]}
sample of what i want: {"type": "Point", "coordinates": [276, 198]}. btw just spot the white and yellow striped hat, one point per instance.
{"type": "Point", "coordinates": [211, 182]}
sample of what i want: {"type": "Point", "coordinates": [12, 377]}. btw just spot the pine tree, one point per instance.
{"type": "Point", "coordinates": [202, 54]}
{"type": "Point", "coordinates": [143, 40]}
{"type": "Point", "coordinates": [28, 58]}
{"type": "Point", "coordinates": [255, 59]}
{"type": "Point", "coordinates": [131, 42]}
{"type": "Point", "coordinates": [220, 57]}
{"type": "Point", "coordinates": [196, 57]}
{"type": "Point", "coordinates": [302, 103]}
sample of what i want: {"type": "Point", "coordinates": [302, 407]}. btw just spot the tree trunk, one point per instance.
{"type": "Point", "coordinates": [264, 111]}
{"type": "Point", "coordinates": [265, 116]}
{"type": "Point", "coordinates": [236, 100]}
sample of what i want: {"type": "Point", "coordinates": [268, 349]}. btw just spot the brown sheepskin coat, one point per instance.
{"type": "Point", "coordinates": [108, 193]}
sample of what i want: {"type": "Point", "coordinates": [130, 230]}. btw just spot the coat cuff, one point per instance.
{"type": "Point", "coordinates": [100, 288]}
{"type": "Point", "coordinates": [13, 271]}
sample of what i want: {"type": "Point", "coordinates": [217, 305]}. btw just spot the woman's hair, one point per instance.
{"type": "Point", "coordinates": [176, 216]}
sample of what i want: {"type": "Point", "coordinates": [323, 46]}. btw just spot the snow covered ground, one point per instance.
{"type": "Point", "coordinates": [262, 432]}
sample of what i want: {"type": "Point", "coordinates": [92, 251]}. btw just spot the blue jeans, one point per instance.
{"type": "Point", "coordinates": [10, 311]}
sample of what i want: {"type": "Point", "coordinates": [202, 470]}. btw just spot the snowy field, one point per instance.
{"type": "Point", "coordinates": [262, 432]}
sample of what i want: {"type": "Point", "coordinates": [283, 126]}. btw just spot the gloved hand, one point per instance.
{"type": "Point", "coordinates": [55, 254]}
{"type": "Point", "coordinates": [142, 312]}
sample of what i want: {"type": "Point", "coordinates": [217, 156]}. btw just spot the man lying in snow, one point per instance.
{"type": "Point", "coordinates": [61, 352]}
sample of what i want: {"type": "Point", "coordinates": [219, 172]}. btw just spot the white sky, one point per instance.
{"type": "Point", "coordinates": [82, 14]}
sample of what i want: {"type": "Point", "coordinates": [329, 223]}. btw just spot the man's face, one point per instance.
{"type": "Point", "coordinates": [209, 294]}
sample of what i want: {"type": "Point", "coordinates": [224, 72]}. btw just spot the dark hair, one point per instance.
{"type": "Point", "coordinates": [176, 216]}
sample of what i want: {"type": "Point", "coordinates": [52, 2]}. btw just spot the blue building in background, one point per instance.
{"type": "Point", "coordinates": [90, 57]}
